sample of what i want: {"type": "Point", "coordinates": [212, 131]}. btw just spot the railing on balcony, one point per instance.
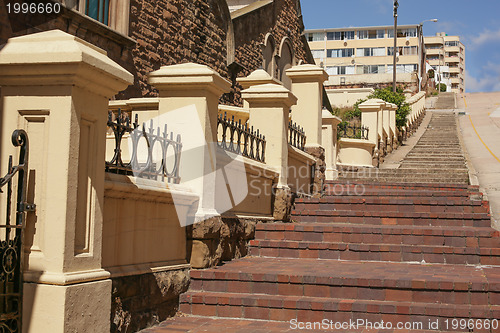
{"type": "Point", "coordinates": [296, 136]}
{"type": "Point", "coordinates": [150, 153]}
{"type": "Point", "coordinates": [352, 131]}
{"type": "Point", "coordinates": [240, 139]}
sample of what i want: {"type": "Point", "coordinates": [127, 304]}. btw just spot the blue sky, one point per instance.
{"type": "Point", "coordinates": [477, 22]}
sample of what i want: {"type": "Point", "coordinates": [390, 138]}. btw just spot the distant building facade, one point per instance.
{"type": "Point", "coordinates": [362, 57]}
{"type": "Point", "coordinates": [446, 55]}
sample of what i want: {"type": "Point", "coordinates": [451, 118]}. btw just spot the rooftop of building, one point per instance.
{"type": "Point", "coordinates": [362, 28]}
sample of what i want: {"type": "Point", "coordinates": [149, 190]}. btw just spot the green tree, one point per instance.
{"type": "Point", "coordinates": [397, 98]}
{"type": "Point", "coordinates": [442, 87]}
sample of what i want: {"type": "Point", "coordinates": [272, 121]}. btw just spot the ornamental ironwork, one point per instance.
{"type": "Point", "coordinates": [240, 139]}
{"type": "Point", "coordinates": [352, 131]}
{"type": "Point", "coordinates": [12, 238]}
{"type": "Point", "coordinates": [150, 150]}
{"type": "Point", "coordinates": [296, 136]}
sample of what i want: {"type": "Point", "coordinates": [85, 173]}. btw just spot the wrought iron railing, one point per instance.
{"type": "Point", "coordinates": [296, 136]}
{"type": "Point", "coordinates": [11, 238]}
{"type": "Point", "coordinates": [151, 161]}
{"type": "Point", "coordinates": [353, 131]}
{"type": "Point", "coordinates": [241, 139]}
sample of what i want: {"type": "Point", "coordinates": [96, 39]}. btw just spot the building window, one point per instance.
{"type": "Point", "coordinates": [410, 32]}
{"type": "Point", "coordinates": [371, 34]}
{"type": "Point", "coordinates": [370, 69]}
{"type": "Point", "coordinates": [340, 35]}
{"type": "Point", "coordinates": [98, 10]}
{"type": "Point", "coordinates": [451, 43]}
{"type": "Point", "coordinates": [403, 68]}
{"type": "Point", "coordinates": [340, 53]}
{"type": "Point", "coordinates": [315, 37]}
{"type": "Point", "coordinates": [404, 50]}
{"type": "Point", "coordinates": [340, 70]}
{"type": "Point", "coordinates": [113, 13]}
{"type": "Point", "coordinates": [370, 52]}
{"type": "Point", "coordinates": [318, 54]}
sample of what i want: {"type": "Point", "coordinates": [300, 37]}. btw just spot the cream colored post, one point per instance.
{"type": "Point", "coordinates": [307, 86]}
{"type": "Point", "coordinates": [387, 127]}
{"type": "Point", "coordinates": [369, 118]}
{"type": "Point", "coordinates": [192, 85]}
{"type": "Point", "coordinates": [329, 140]}
{"type": "Point", "coordinates": [269, 108]}
{"type": "Point", "coordinates": [392, 124]}
{"type": "Point", "coordinates": [57, 88]}
{"type": "Point", "coordinates": [380, 122]}
{"type": "Point", "coordinates": [256, 78]}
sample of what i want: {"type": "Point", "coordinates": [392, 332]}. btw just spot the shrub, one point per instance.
{"type": "Point", "coordinates": [442, 87]}
{"type": "Point", "coordinates": [397, 98]}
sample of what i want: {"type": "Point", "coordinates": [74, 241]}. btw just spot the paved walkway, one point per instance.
{"type": "Point", "coordinates": [480, 128]}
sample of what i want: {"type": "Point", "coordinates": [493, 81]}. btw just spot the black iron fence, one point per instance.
{"type": "Point", "coordinates": [347, 130]}
{"type": "Point", "coordinates": [240, 139]}
{"type": "Point", "coordinates": [11, 238]}
{"type": "Point", "coordinates": [151, 150]}
{"type": "Point", "coordinates": [296, 136]}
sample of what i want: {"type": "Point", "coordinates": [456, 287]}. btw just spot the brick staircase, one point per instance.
{"type": "Point", "coordinates": [436, 158]}
{"type": "Point", "coordinates": [389, 250]}
{"type": "Point", "coordinates": [398, 253]}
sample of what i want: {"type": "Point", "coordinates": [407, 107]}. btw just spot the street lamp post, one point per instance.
{"type": "Point", "coordinates": [396, 5]}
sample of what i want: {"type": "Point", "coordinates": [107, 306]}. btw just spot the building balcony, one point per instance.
{"type": "Point", "coordinates": [452, 49]}
{"type": "Point", "coordinates": [434, 52]}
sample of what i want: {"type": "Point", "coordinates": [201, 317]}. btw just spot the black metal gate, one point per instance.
{"type": "Point", "coordinates": [11, 238]}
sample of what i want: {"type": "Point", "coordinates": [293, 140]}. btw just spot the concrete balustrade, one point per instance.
{"type": "Point", "coordinates": [61, 99]}
{"type": "Point", "coordinates": [417, 107]}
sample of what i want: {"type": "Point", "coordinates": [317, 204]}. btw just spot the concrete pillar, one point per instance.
{"type": "Point", "coordinates": [369, 117]}
{"type": "Point", "coordinates": [329, 140]}
{"type": "Point", "coordinates": [392, 124]}
{"type": "Point", "coordinates": [269, 107]}
{"type": "Point", "coordinates": [189, 101]}
{"type": "Point", "coordinates": [387, 127]}
{"type": "Point", "coordinates": [256, 78]}
{"type": "Point", "coordinates": [380, 130]}
{"type": "Point", "coordinates": [57, 88]}
{"type": "Point", "coordinates": [307, 86]}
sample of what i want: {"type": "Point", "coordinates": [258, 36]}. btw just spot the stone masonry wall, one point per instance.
{"type": "Point", "coordinates": [281, 19]}
{"type": "Point", "coordinates": [176, 31]}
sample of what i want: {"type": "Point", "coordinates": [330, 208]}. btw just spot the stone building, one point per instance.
{"type": "Point", "coordinates": [233, 37]}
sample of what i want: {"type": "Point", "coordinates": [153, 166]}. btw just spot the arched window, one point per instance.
{"type": "Point", "coordinates": [286, 61]}
{"type": "Point", "coordinates": [268, 53]}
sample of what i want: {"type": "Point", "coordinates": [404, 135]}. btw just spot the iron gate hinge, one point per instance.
{"type": "Point", "coordinates": [26, 207]}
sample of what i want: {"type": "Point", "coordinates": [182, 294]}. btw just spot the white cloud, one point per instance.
{"type": "Point", "coordinates": [485, 37]}
{"type": "Point", "coordinates": [485, 83]}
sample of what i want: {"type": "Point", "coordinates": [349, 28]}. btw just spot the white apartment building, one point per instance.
{"type": "Point", "coordinates": [364, 55]}
{"type": "Point", "coordinates": [446, 55]}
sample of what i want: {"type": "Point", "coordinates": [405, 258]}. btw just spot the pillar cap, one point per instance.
{"type": "Point", "coordinates": [374, 104]}
{"type": "Point", "coordinates": [57, 58]}
{"type": "Point", "coordinates": [255, 78]}
{"type": "Point", "coordinates": [329, 118]}
{"type": "Point", "coordinates": [269, 93]}
{"type": "Point", "coordinates": [307, 73]}
{"type": "Point", "coordinates": [189, 76]}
